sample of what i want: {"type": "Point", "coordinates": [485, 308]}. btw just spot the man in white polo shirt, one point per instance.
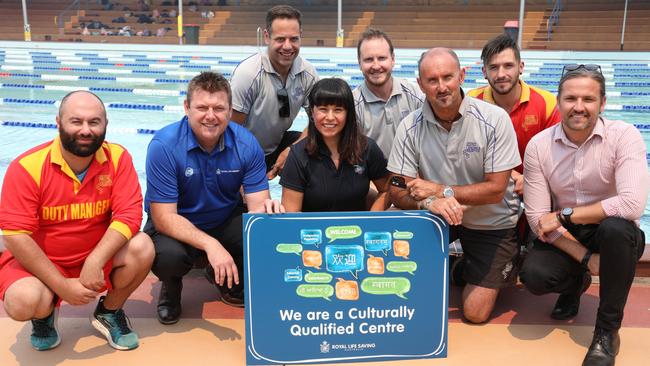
{"type": "Point", "coordinates": [455, 154]}
{"type": "Point", "coordinates": [269, 88]}
{"type": "Point", "coordinates": [382, 100]}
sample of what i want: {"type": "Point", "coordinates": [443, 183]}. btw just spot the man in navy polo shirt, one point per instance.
{"type": "Point", "coordinates": [195, 168]}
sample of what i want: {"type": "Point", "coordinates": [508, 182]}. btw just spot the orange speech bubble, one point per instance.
{"type": "Point", "coordinates": [312, 258]}
{"type": "Point", "coordinates": [376, 265]}
{"type": "Point", "coordinates": [347, 290]}
{"type": "Point", "coordinates": [401, 248]}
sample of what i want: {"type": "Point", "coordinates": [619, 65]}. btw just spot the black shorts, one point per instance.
{"type": "Point", "coordinates": [491, 256]}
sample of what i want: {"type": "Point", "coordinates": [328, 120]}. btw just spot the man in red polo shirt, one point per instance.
{"type": "Point", "coordinates": [531, 109]}
{"type": "Point", "coordinates": [70, 214]}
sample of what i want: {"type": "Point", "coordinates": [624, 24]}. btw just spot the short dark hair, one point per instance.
{"type": "Point", "coordinates": [497, 45]}
{"type": "Point", "coordinates": [211, 82]}
{"type": "Point", "coordinates": [67, 96]}
{"type": "Point", "coordinates": [334, 91]}
{"type": "Point", "coordinates": [583, 73]}
{"type": "Point", "coordinates": [282, 12]}
{"type": "Point", "coordinates": [372, 33]}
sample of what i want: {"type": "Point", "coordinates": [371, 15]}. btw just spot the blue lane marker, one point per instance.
{"type": "Point", "coordinates": [78, 69]}
{"type": "Point", "coordinates": [149, 107]}
{"type": "Point", "coordinates": [27, 101]}
{"type": "Point", "coordinates": [120, 90]}
{"type": "Point", "coordinates": [140, 131]}
{"type": "Point", "coordinates": [25, 86]}
{"type": "Point", "coordinates": [111, 78]}
{"type": "Point", "coordinates": [149, 72]}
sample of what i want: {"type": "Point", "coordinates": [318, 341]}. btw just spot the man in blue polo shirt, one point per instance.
{"type": "Point", "coordinates": [195, 168]}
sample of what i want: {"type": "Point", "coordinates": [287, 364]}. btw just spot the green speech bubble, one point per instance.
{"type": "Point", "coordinates": [342, 232]}
{"type": "Point", "coordinates": [318, 277]}
{"type": "Point", "coordinates": [313, 291]}
{"type": "Point", "coordinates": [386, 286]}
{"type": "Point", "coordinates": [408, 266]}
{"type": "Point", "coordinates": [289, 248]}
{"type": "Point", "coordinates": [402, 235]}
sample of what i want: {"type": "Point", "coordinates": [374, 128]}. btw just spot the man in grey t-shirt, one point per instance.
{"type": "Point", "coordinates": [269, 88]}
{"type": "Point", "coordinates": [455, 154]}
{"type": "Point", "coordinates": [382, 100]}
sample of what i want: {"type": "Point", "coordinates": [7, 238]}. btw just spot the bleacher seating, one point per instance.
{"type": "Point", "coordinates": [596, 25]}
{"type": "Point", "coordinates": [583, 24]}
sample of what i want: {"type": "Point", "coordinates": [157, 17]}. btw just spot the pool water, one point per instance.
{"type": "Point", "coordinates": [145, 90]}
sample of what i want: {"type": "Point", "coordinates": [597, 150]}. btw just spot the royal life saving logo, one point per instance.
{"type": "Point", "coordinates": [470, 148]}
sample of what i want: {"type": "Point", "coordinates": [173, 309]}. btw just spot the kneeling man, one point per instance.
{"type": "Point", "coordinates": [70, 213]}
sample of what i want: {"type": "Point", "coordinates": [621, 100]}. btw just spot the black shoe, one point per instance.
{"type": "Point", "coordinates": [456, 271]}
{"type": "Point", "coordinates": [230, 297]}
{"type": "Point", "coordinates": [604, 348]}
{"type": "Point", "coordinates": [567, 305]}
{"type": "Point", "coordinates": [169, 302]}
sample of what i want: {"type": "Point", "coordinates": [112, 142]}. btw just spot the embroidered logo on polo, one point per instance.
{"type": "Point", "coordinates": [189, 172]}
{"type": "Point", "coordinates": [298, 92]}
{"type": "Point", "coordinates": [226, 171]}
{"type": "Point", "coordinates": [359, 169]}
{"type": "Point", "coordinates": [103, 181]}
{"type": "Point", "coordinates": [529, 121]}
{"type": "Point", "coordinates": [471, 147]}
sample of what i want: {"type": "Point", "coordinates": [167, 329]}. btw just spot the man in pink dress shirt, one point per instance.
{"type": "Point", "coordinates": [586, 187]}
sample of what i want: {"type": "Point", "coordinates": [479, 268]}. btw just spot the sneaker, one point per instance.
{"type": "Point", "coordinates": [116, 327]}
{"type": "Point", "coordinates": [44, 333]}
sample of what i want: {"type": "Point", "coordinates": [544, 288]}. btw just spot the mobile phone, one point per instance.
{"type": "Point", "coordinates": [398, 181]}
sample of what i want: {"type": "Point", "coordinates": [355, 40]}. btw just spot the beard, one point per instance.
{"type": "Point", "coordinates": [500, 89]}
{"type": "Point", "coordinates": [69, 143]}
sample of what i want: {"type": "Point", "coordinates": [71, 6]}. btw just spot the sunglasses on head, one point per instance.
{"type": "Point", "coordinates": [574, 67]}
{"type": "Point", "coordinates": [283, 98]}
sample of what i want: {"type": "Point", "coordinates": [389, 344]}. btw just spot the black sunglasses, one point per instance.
{"type": "Point", "coordinates": [574, 67]}
{"type": "Point", "coordinates": [283, 98]}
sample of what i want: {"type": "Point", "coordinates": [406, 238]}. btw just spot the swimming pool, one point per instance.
{"type": "Point", "coordinates": [144, 91]}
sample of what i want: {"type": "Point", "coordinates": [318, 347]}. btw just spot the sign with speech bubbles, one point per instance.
{"type": "Point", "coordinates": [345, 287]}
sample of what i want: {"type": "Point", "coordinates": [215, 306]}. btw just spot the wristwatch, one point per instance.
{"type": "Point", "coordinates": [424, 204]}
{"type": "Point", "coordinates": [565, 215]}
{"type": "Point", "coordinates": [448, 192]}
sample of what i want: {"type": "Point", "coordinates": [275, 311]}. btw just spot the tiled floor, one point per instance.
{"type": "Point", "coordinates": [212, 333]}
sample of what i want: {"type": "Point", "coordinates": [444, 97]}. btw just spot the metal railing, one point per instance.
{"type": "Point", "coordinates": [553, 19]}
{"type": "Point", "coordinates": [259, 37]}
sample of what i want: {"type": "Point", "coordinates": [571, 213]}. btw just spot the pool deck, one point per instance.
{"type": "Point", "coordinates": [211, 332]}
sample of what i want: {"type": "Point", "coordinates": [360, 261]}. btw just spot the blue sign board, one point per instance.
{"type": "Point", "coordinates": [345, 287]}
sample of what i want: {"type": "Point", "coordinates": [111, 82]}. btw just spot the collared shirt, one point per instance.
{"type": "Point", "coordinates": [378, 118]}
{"type": "Point", "coordinates": [535, 112]}
{"type": "Point", "coordinates": [204, 185]}
{"type": "Point", "coordinates": [481, 141]}
{"type": "Point", "coordinates": [326, 188]}
{"type": "Point", "coordinates": [66, 217]}
{"type": "Point", "coordinates": [610, 167]}
{"type": "Point", "coordinates": [255, 83]}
